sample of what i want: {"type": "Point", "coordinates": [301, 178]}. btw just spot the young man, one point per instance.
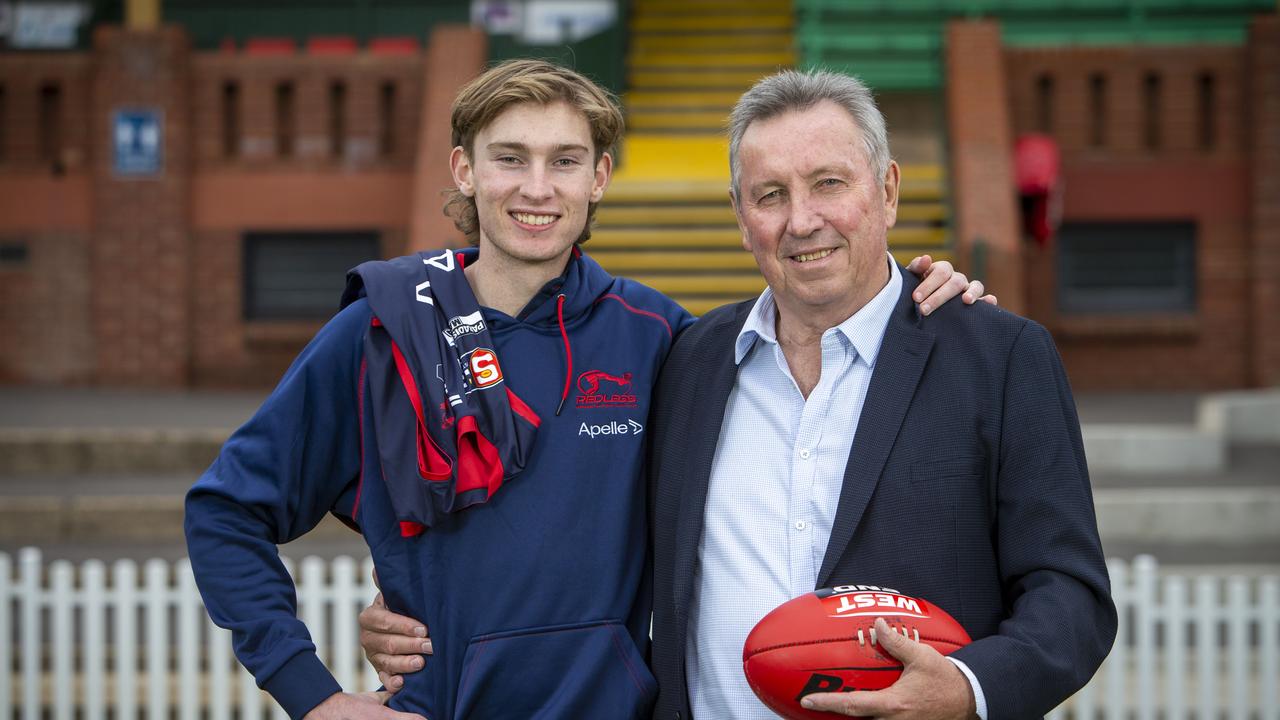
{"type": "Point", "coordinates": [478, 415]}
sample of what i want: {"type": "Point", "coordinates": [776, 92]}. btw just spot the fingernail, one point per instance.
{"type": "Point", "coordinates": [926, 308]}
{"type": "Point", "coordinates": [417, 662]}
{"type": "Point", "coordinates": [420, 631]}
{"type": "Point", "coordinates": [918, 297]}
{"type": "Point", "coordinates": [968, 297]}
{"type": "Point", "coordinates": [427, 648]}
{"type": "Point", "coordinates": [396, 681]}
{"type": "Point", "coordinates": [806, 703]}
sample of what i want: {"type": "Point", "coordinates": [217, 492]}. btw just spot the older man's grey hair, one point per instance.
{"type": "Point", "coordinates": [800, 90]}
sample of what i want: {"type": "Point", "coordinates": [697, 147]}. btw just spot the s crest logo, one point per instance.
{"type": "Point", "coordinates": [485, 370]}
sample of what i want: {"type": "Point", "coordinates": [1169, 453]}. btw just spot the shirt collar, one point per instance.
{"type": "Point", "coordinates": [864, 329]}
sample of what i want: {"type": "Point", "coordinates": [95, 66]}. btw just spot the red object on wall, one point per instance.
{"type": "Point", "coordinates": [270, 46]}
{"type": "Point", "coordinates": [1038, 172]}
{"type": "Point", "coordinates": [394, 46]}
{"type": "Point", "coordinates": [331, 45]}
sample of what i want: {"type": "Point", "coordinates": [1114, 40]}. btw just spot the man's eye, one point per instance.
{"type": "Point", "coordinates": [770, 196]}
{"type": "Point", "coordinates": [508, 159]}
{"type": "Point", "coordinates": [566, 162]}
{"type": "Point", "coordinates": [830, 182]}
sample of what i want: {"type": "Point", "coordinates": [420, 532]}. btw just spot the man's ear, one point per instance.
{"type": "Point", "coordinates": [604, 171]}
{"type": "Point", "coordinates": [892, 186]}
{"type": "Point", "coordinates": [737, 216]}
{"type": "Point", "coordinates": [463, 173]}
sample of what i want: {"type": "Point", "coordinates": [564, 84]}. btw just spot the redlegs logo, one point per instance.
{"type": "Point", "coordinates": [591, 396]}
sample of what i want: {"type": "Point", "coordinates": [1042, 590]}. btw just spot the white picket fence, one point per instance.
{"type": "Point", "coordinates": [91, 641]}
{"type": "Point", "coordinates": [87, 641]}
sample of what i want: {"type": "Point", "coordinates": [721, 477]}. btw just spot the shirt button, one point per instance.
{"type": "Point", "coordinates": [800, 525]}
{"type": "Point", "coordinates": [804, 454]}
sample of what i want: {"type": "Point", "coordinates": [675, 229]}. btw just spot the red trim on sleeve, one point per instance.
{"type": "Point", "coordinates": [638, 311]}
{"type": "Point", "coordinates": [364, 363]}
{"type": "Point", "coordinates": [522, 409]}
{"type": "Point", "coordinates": [433, 464]}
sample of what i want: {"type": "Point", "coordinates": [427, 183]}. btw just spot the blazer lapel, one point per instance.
{"type": "Point", "coordinates": [899, 365]}
{"type": "Point", "coordinates": [719, 373]}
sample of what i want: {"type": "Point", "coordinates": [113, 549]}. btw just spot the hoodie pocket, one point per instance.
{"type": "Point", "coordinates": [584, 670]}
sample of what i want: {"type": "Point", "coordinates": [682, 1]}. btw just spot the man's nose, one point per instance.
{"type": "Point", "coordinates": [805, 219]}
{"type": "Point", "coordinates": [537, 184]}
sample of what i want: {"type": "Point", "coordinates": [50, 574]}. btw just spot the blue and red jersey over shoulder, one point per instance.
{"type": "Point", "coordinates": [537, 600]}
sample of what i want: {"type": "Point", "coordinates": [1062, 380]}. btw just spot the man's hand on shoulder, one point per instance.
{"type": "Point", "coordinates": [939, 282]}
{"type": "Point", "coordinates": [931, 687]}
{"type": "Point", "coordinates": [364, 706]}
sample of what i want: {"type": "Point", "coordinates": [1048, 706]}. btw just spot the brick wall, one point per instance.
{"type": "Point", "coordinates": [45, 212]}
{"type": "Point", "coordinates": [1264, 260]}
{"type": "Point", "coordinates": [140, 282]}
{"type": "Point", "coordinates": [1143, 140]}
{"type": "Point", "coordinates": [140, 254]}
{"type": "Point", "coordinates": [986, 220]}
{"type": "Point", "coordinates": [245, 182]}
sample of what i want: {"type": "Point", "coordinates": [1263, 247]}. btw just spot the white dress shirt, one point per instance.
{"type": "Point", "coordinates": [772, 496]}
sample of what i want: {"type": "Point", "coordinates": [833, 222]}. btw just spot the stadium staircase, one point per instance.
{"type": "Point", "coordinates": [666, 220]}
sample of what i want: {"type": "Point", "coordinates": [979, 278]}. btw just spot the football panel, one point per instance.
{"type": "Point", "coordinates": [780, 678]}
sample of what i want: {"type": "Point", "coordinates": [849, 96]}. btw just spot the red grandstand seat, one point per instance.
{"type": "Point", "coordinates": [331, 45]}
{"type": "Point", "coordinates": [270, 46]}
{"type": "Point", "coordinates": [399, 45]}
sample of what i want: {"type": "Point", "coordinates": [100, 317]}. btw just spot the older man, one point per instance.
{"type": "Point", "coordinates": [827, 433]}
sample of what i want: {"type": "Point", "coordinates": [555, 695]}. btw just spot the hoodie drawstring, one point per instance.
{"type": "Point", "coordinates": [568, 353]}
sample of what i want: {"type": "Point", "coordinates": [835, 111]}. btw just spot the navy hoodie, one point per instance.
{"type": "Point", "coordinates": [537, 600]}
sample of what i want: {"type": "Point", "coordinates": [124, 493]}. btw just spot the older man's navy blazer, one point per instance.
{"type": "Point", "coordinates": [966, 485]}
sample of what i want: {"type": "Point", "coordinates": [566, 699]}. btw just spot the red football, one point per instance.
{"type": "Point", "coordinates": [824, 641]}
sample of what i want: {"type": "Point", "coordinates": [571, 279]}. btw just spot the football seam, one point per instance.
{"type": "Point", "coordinates": [820, 641]}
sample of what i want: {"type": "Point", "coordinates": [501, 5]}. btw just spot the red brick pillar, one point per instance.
{"type": "Point", "coordinates": [456, 55]}
{"type": "Point", "coordinates": [981, 140]}
{"type": "Point", "coordinates": [140, 249]}
{"type": "Point", "coordinates": [1264, 97]}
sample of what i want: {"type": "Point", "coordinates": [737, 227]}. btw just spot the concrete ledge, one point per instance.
{"type": "Point", "coordinates": [1152, 449]}
{"type": "Point", "coordinates": [1223, 516]}
{"type": "Point", "coordinates": [87, 451]}
{"type": "Point", "coordinates": [42, 519]}
{"type": "Point", "coordinates": [1249, 417]}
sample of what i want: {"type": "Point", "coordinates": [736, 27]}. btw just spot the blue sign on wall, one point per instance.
{"type": "Point", "coordinates": [138, 139]}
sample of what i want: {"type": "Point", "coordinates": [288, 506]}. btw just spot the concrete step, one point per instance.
{"type": "Point", "coordinates": [69, 451]}
{"type": "Point", "coordinates": [1159, 449]}
{"type": "Point", "coordinates": [122, 517]}
{"type": "Point", "coordinates": [1207, 524]}
{"type": "Point", "coordinates": [1191, 525]}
